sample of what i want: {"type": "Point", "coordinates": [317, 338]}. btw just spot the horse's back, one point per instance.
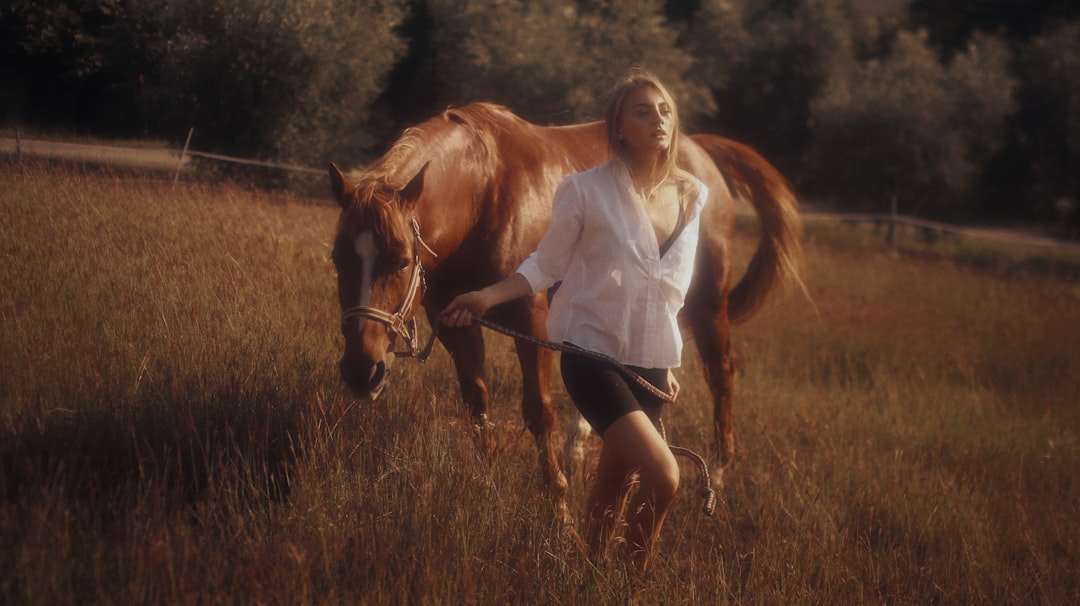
{"type": "Point", "coordinates": [525, 164]}
{"type": "Point", "coordinates": [533, 161]}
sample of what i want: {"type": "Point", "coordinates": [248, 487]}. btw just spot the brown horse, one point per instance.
{"type": "Point", "coordinates": [459, 201]}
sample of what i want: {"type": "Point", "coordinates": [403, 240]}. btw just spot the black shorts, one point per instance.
{"type": "Point", "coordinates": [603, 394]}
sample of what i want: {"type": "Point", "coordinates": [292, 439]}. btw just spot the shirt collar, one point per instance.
{"type": "Point", "coordinates": [622, 174]}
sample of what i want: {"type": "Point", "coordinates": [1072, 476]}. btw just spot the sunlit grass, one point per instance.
{"type": "Point", "coordinates": [172, 429]}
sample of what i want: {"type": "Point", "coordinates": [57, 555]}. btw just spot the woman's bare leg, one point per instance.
{"type": "Point", "coordinates": [607, 500]}
{"type": "Point", "coordinates": [632, 444]}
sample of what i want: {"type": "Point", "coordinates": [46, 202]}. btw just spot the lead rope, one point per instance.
{"type": "Point", "coordinates": [708, 495]}
{"type": "Point", "coordinates": [407, 330]}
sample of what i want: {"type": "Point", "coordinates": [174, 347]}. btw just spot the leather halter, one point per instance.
{"type": "Point", "coordinates": [396, 322]}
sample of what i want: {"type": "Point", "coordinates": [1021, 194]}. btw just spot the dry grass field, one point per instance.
{"type": "Point", "coordinates": [173, 430]}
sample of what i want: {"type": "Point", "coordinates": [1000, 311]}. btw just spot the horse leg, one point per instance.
{"type": "Point", "coordinates": [577, 431]}
{"type": "Point", "coordinates": [466, 348]}
{"type": "Point", "coordinates": [536, 406]}
{"type": "Point", "coordinates": [707, 311]}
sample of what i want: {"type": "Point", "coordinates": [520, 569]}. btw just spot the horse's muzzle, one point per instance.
{"type": "Point", "coordinates": [365, 380]}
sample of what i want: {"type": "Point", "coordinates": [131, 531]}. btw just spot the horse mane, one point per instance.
{"type": "Point", "coordinates": [374, 206]}
{"type": "Point", "coordinates": [486, 123]}
{"type": "Point", "coordinates": [375, 203]}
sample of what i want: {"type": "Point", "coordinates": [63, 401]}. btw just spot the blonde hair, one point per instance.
{"type": "Point", "coordinates": [634, 79]}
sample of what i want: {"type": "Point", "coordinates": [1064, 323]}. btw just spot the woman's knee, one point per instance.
{"type": "Point", "coordinates": [660, 478]}
{"type": "Point", "coordinates": [634, 442]}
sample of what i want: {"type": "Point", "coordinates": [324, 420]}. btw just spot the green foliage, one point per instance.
{"type": "Point", "coordinates": [552, 61]}
{"type": "Point", "coordinates": [717, 40]}
{"type": "Point", "coordinates": [521, 54]}
{"type": "Point", "coordinates": [983, 93]}
{"type": "Point", "coordinates": [1052, 99]}
{"type": "Point", "coordinates": [791, 48]}
{"type": "Point", "coordinates": [951, 24]}
{"type": "Point", "coordinates": [620, 33]}
{"type": "Point", "coordinates": [907, 126]}
{"type": "Point", "coordinates": [282, 79]}
{"type": "Point", "coordinates": [73, 33]}
{"type": "Point", "coordinates": [70, 59]}
{"type": "Point", "coordinates": [309, 81]}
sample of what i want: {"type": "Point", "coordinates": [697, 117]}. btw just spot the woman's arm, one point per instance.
{"type": "Point", "coordinates": [462, 310]}
{"type": "Point", "coordinates": [540, 270]}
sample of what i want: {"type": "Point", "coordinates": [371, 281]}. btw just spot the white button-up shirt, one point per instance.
{"type": "Point", "coordinates": [618, 296]}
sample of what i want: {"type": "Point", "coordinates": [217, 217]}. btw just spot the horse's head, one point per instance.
{"type": "Point", "coordinates": [380, 279]}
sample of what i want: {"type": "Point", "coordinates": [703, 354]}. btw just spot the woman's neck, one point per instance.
{"type": "Point", "coordinates": [646, 171]}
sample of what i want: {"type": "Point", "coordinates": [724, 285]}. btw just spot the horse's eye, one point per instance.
{"type": "Point", "coordinates": [403, 264]}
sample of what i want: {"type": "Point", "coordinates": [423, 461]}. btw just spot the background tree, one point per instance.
{"type": "Point", "coordinates": [525, 55]}
{"type": "Point", "coordinates": [1017, 183]}
{"type": "Point", "coordinates": [552, 62]}
{"type": "Point", "coordinates": [907, 127]}
{"type": "Point", "coordinates": [1051, 118]}
{"type": "Point", "coordinates": [69, 62]}
{"type": "Point", "coordinates": [293, 80]}
{"type": "Point", "coordinates": [792, 47]}
{"type": "Point", "coordinates": [621, 33]}
{"type": "Point", "coordinates": [980, 113]}
{"type": "Point", "coordinates": [951, 24]}
{"type": "Point", "coordinates": [713, 33]}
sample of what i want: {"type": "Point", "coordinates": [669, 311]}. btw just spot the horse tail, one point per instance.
{"type": "Point", "coordinates": [778, 258]}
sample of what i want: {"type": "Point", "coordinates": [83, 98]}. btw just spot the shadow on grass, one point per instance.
{"type": "Point", "coordinates": [226, 442]}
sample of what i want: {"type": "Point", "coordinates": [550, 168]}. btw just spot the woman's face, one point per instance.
{"type": "Point", "coordinates": [646, 122]}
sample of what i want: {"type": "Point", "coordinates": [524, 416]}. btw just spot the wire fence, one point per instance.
{"type": "Point", "coordinates": [891, 221]}
{"type": "Point", "coordinates": [176, 160]}
{"type": "Point", "coordinates": [288, 167]}
{"type": "Point", "coordinates": [151, 157]}
{"type": "Point", "coordinates": [185, 152]}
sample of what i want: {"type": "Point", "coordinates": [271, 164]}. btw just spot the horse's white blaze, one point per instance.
{"type": "Point", "coordinates": [364, 245]}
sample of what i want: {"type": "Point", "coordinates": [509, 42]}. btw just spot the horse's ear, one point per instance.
{"type": "Point", "coordinates": [341, 186]}
{"type": "Point", "coordinates": [411, 192]}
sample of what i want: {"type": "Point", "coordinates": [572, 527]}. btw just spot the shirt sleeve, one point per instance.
{"type": "Point", "coordinates": [547, 264]}
{"type": "Point", "coordinates": [703, 196]}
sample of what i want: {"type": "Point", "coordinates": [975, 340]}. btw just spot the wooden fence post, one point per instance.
{"type": "Point", "coordinates": [18, 146]}
{"type": "Point", "coordinates": [892, 222]}
{"type": "Point", "coordinates": [183, 153]}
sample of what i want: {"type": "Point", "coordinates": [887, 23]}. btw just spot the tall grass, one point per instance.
{"type": "Point", "coordinates": [172, 429]}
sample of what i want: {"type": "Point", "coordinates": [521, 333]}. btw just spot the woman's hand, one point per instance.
{"type": "Point", "coordinates": [471, 306]}
{"type": "Point", "coordinates": [673, 385]}
{"type": "Point", "coordinates": [464, 309]}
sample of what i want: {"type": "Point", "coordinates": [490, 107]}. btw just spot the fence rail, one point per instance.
{"type": "Point", "coordinates": [139, 157]}
{"type": "Point", "coordinates": [890, 221]}
{"type": "Point", "coordinates": [176, 159]}
{"type": "Point", "coordinates": [288, 167]}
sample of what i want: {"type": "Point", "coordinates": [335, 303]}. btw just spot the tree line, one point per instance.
{"type": "Point", "coordinates": [965, 109]}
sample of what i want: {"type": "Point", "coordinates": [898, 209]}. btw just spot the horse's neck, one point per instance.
{"type": "Point", "coordinates": [585, 145]}
{"type": "Point", "coordinates": [458, 185]}
{"type": "Point", "coordinates": [448, 208]}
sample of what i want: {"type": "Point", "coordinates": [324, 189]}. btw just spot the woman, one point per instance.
{"type": "Point", "coordinates": [622, 241]}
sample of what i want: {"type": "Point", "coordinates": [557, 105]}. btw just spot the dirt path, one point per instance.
{"type": "Point", "coordinates": [148, 157]}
